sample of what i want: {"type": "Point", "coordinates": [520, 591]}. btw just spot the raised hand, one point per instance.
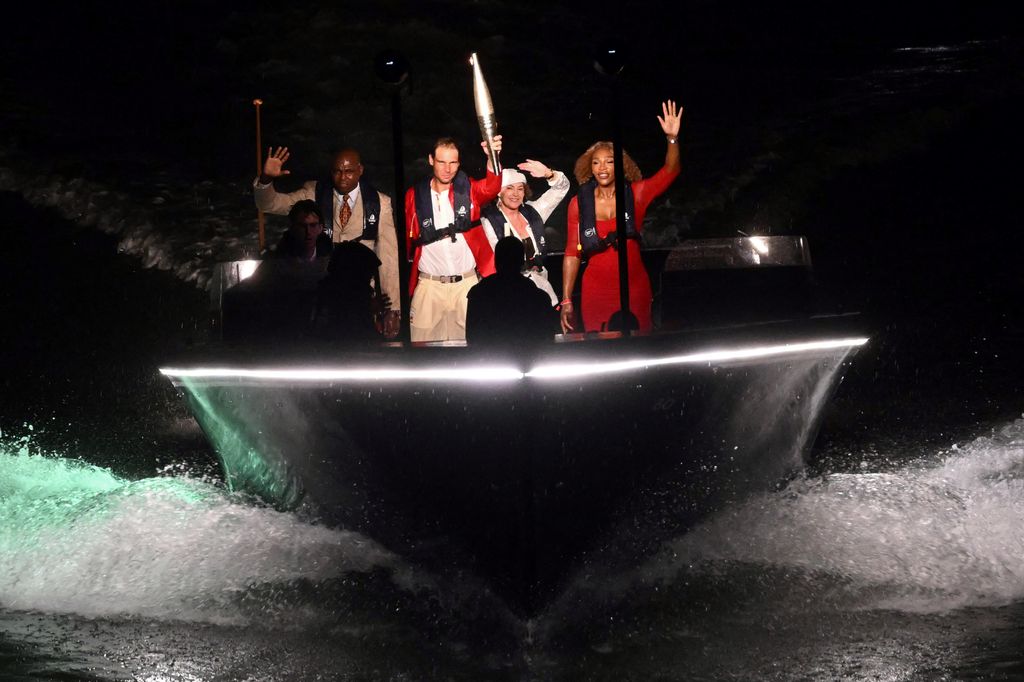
{"type": "Point", "coordinates": [496, 144]}
{"type": "Point", "coordinates": [273, 167]}
{"type": "Point", "coordinates": [496, 140]}
{"type": "Point", "coordinates": [535, 168]}
{"type": "Point", "coordinates": [670, 118]}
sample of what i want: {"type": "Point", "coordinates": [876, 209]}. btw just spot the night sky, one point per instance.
{"type": "Point", "coordinates": [175, 76]}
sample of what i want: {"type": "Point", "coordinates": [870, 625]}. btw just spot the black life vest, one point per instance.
{"type": "Point", "coordinates": [589, 242]}
{"type": "Point", "coordinates": [429, 232]}
{"type": "Point", "coordinates": [371, 208]}
{"type": "Point", "coordinates": [497, 220]}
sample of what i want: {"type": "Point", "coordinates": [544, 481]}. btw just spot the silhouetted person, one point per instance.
{"type": "Point", "coordinates": [276, 303]}
{"type": "Point", "coordinates": [506, 308]}
{"type": "Point", "coordinates": [346, 304]}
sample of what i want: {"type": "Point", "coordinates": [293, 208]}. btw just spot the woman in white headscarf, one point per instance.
{"type": "Point", "coordinates": [517, 215]}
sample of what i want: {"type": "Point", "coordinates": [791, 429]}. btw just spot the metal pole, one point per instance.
{"type": "Point", "coordinates": [260, 220]}
{"type": "Point", "coordinates": [398, 205]}
{"type": "Point", "coordinates": [392, 68]}
{"type": "Point", "coordinates": [610, 61]}
{"type": "Point", "coordinates": [626, 321]}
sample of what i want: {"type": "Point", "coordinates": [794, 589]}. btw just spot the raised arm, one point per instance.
{"type": "Point", "coordinates": [268, 199]}
{"type": "Point", "coordinates": [558, 187]}
{"type": "Point", "coordinates": [646, 190]}
{"type": "Point", "coordinates": [486, 189]}
{"type": "Point", "coordinates": [670, 123]}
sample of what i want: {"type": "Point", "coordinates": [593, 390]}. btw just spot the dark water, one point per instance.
{"type": "Point", "coordinates": [899, 555]}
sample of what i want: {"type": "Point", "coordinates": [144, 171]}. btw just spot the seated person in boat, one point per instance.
{"type": "Point", "coordinates": [506, 308]}
{"type": "Point", "coordinates": [276, 302]}
{"type": "Point", "coordinates": [346, 303]}
{"type": "Point", "coordinates": [352, 209]}
{"type": "Point", "coordinates": [305, 239]}
{"type": "Point", "coordinates": [517, 214]}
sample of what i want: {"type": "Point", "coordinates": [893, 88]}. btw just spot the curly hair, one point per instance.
{"type": "Point", "coordinates": [583, 171]}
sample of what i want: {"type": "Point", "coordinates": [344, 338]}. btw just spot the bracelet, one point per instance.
{"type": "Point", "coordinates": [671, 140]}
{"type": "Point", "coordinates": [567, 301]}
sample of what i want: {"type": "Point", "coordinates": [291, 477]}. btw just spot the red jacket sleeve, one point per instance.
{"type": "Point", "coordinates": [411, 222]}
{"type": "Point", "coordinates": [483, 192]}
{"type": "Point", "coordinates": [411, 232]}
{"type": "Point", "coordinates": [647, 190]}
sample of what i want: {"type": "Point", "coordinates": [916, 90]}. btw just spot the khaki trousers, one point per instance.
{"type": "Point", "coordinates": [438, 310]}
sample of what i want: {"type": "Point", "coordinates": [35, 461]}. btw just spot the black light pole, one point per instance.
{"type": "Point", "coordinates": [610, 62]}
{"type": "Point", "coordinates": [392, 68]}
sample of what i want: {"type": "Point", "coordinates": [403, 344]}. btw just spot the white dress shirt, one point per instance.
{"type": "Point", "coordinates": [445, 257]}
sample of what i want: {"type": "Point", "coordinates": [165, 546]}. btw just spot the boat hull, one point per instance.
{"type": "Point", "coordinates": [522, 465]}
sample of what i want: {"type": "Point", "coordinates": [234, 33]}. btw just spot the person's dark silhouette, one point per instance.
{"type": "Point", "coordinates": [275, 304]}
{"type": "Point", "coordinates": [346, 305]}
{"type": "Point", "coordinates": [506, 308]}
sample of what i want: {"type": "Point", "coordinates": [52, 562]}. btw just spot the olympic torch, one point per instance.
{"type": "Point", "coordinates": [484, 111]}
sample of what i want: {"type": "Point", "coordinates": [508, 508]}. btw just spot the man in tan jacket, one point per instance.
{"type": "Point", "coordinates": [352, 210]}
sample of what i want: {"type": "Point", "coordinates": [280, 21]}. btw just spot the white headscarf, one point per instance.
{"type": "Point", "coordinates": [511, 176]}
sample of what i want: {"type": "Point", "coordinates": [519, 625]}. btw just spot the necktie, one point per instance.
{"type": "Point", "coordinates": [345, 213]}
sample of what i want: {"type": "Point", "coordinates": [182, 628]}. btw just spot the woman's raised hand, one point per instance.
{"type": "Point", "coordinates": [535, 168]}
{"type": "Point", "coordinates": [670, 118]}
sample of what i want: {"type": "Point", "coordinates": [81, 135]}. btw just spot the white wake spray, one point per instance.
{"type": "Point", "coordinates": [943, 534]}
{"type": "Point", "coordinates": [76, 538]}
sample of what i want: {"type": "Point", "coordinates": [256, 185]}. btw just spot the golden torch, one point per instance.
{"type": "Point", "coordinates": [484, 111]}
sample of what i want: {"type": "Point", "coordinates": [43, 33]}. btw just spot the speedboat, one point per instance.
{"type": "Point", "coordinates": [522, 464]}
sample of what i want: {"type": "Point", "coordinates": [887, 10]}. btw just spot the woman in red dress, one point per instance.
{"type": "Point", "coordinates": [592, 219]}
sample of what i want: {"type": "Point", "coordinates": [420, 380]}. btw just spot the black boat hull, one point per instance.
{"type": "Point", "coordinates": [521, 465]}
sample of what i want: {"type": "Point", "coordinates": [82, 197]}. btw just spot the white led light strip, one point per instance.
{"type": "Point", "coordinates": [497, 374]}
{"type": "Point", "coordinates": [376, 374]}
{"type": "Point", "coordinates": [559, 370]}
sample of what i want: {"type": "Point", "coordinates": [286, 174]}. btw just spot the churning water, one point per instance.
{"type": "Point", "coordinates": [173, 577]}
